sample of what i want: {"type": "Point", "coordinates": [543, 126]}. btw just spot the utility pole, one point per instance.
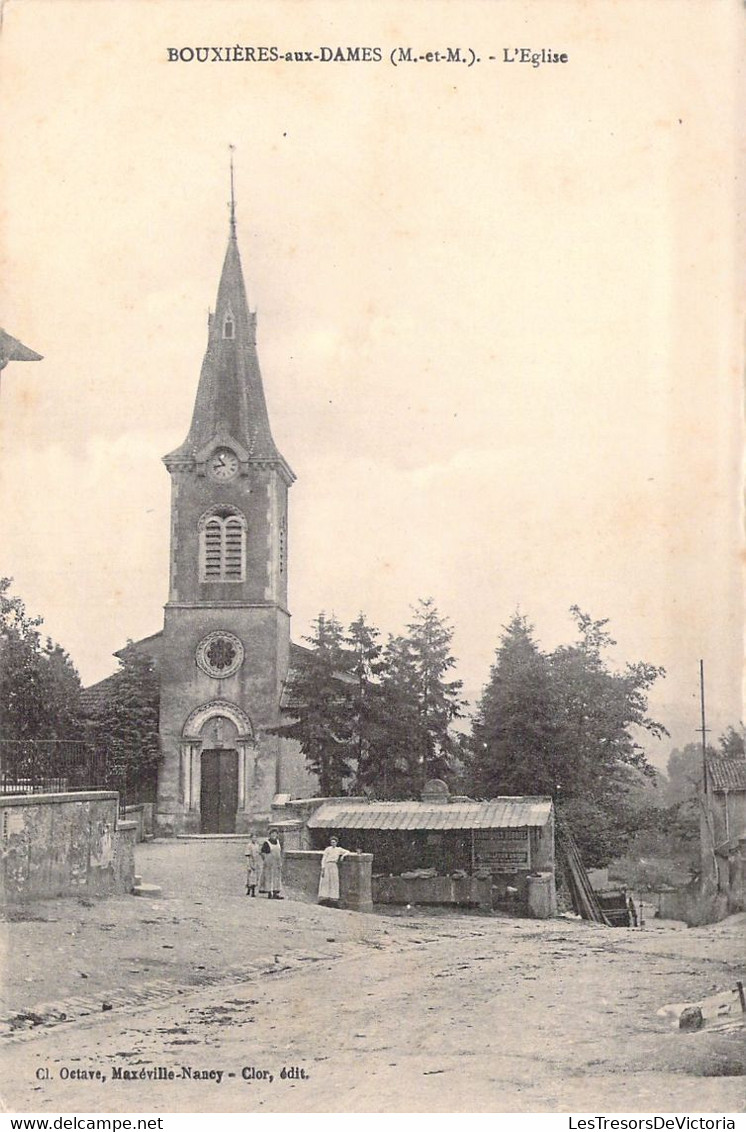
{"type": "Point", "coordinates": [703, 728]}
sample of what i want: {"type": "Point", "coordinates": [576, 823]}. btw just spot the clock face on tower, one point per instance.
{"type": "Point", "coordinates": [223, 464]}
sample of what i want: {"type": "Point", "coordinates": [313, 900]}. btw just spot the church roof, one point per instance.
{"type": "Point", "coordinates": [151, 646]}
{"type": "Point", "coordinates": [230, 402]}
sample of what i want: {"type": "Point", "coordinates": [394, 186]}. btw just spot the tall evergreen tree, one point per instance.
{"type": "Point", "coordinates": [514, 734]}
{"type": "Point", "coordinates": [421, 704]}
{"type": "Point", "coordinates": [320, 690]}
{"type": "Point", "coordinates": [368, 721]}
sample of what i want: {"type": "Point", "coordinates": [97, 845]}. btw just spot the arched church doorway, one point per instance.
{"type": "Point", "coordinates": [216, 746]}
{"type": "Point", "coordinates": [219, 790]}
{"type": "Point", "coordinates": [219, 776]}
{"type": "Point", "coordinates": [217, 765]}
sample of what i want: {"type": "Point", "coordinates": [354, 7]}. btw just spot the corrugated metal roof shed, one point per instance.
{"type": "Point", "coordinates": [726, 774]}
{"type": "Point", "coordinates": [499, 813]}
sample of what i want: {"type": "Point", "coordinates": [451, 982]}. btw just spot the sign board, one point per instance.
{"type": "Point", "coordinates": [502, 850]}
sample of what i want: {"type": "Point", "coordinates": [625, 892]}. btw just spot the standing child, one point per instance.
{"type": "Point", "coordinates": [254, 865]}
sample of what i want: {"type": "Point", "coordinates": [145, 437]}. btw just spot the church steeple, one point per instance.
{"type": "Point", "coordinates": [225, 648]}
{"type": "Point", "coordinates": [230, 401]}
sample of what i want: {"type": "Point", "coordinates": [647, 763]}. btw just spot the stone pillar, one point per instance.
{"type": "Point", "coordinates": [241, 804]}
{"type": "Point", "coordinates": [246, 757]}
{"type": "Point", "coordinates": [125, 838]}
{"type": "Point", "coordinates": [355, 890]}
{"type": "Point", "coordinates": [195, 777]}
{"type": "Point", "coordinates": [542, 900]}
{"type": "Point", "coordinates": [185, 775]}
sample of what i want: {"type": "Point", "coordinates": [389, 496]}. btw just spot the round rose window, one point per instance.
{"type": "Point", "coordinates": [220, 655]}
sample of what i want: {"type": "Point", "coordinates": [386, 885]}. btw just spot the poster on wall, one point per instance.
{"type": "Point", "coordinates": [370, 414]}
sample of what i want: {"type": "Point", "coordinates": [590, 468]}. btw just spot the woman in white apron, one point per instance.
{"type": "Point", "coordinates": [272, 856]}
{"type": "Point", "coordinates": [329, 879]}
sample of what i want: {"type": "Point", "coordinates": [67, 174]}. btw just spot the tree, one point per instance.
{"type": "Point", "coordinates": [684, 773]}
{"type": "Point", "coordinates": [420, 705]}
{"type": "Point", "coordinates": [732, 743]}
{"type": "Point", "coordinates": [392, 769]}
{"type": "Point", "coordinates": [39, 686]}
{"type": "Point", "coordinates": [602, 712]}
{"type": "Point", "coordinates": [320, 690]}
{"type": "Point", "coordinates": [376, 717]}
{"type": "Point", "coordinates": [565, 723]}
{"type": "Point", "coordinates": [368, 718]}
{"type": "Point", "coordinates": [514, 733]}
{"type": "Point", "coordinates": [126, 725]}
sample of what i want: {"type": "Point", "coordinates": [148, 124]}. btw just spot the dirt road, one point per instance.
{"type": "Point", "coordinates": [414, 1013]}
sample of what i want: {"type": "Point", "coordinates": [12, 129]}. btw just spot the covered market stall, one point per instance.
{"type": "Point", "coordinates": [445, 850]}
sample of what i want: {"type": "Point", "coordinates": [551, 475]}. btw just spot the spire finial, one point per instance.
{"type": "Point", "coordinates": [233, 196]}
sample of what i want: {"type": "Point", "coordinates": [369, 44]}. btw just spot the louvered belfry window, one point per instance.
{"type": "Point", "coordinates": [222, 546]}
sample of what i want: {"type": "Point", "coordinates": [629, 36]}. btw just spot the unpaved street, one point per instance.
{"type": "Point", "coordinates": [384, 1014]}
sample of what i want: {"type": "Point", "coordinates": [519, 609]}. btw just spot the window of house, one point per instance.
{"type": "Point", "coordinates": [229, 326]}
{"type": "Point", "coordinates": [222, 546]}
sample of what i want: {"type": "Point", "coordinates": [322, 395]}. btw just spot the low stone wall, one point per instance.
{"type": "Point", "coordinates": [466, 891]}
{"type": "Point", "coordinates": [301, 870]}
{"type": "Point", "coordinates": [142, 814]}
{"type": "Point", "coordinates": [63, 845]}
{"type": "Point", "coordinates": [689, 904]}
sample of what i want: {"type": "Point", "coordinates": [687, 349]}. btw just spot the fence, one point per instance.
{"type": "Point", "coordinates": [50, 766]}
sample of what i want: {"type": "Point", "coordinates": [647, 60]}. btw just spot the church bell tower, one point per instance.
{"type": "Point", "coordinates": [226, 635]}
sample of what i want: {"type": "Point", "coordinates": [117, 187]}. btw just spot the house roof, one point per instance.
{"type": "Point", "coordinates": [499, 813]}
{"type": "Point", "coordinates": [726, 774]}
{"type": "Point", "coordinates": [93, 698]}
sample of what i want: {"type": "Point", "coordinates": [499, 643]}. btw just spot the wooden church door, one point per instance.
{"type": "Point", "coordinates": [219, 791]}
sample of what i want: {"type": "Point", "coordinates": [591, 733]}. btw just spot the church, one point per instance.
{"type": "Point", "coordinates": [224, 652]}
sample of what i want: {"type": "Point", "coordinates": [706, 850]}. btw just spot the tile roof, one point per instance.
{"type": "Point", "coordinates": [726, 774]}
{"type": "Point", "coordinates": [93, 698]}
{"type": "Point", "coordinates": [499, 813]}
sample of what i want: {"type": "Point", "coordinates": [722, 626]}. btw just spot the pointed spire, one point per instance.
{"type": "Point", "coordinates": [230, 402]}
{"type": "Point", "coordinates": [233, 198]}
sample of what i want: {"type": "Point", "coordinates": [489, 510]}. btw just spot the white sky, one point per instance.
{"type": "Point", "coordinates": [498, 320]}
